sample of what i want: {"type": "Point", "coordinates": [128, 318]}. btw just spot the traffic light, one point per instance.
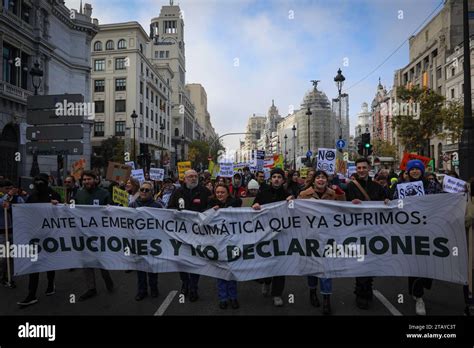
{"type": "Point", "coordinates": [367, 147]}
{"type": "Point", "coordinates": [360, 149]}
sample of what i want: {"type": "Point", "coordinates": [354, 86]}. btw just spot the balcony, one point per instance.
{"type": "Point", "coordinates": [11, 91]}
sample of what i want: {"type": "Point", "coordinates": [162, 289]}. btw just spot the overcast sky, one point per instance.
{"type": "Point", "coordinates": [280, 45]}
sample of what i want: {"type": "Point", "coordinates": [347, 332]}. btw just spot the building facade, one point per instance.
{"type": "Point", "coordinates": [203, 123]}
{"type": "Point", "coordinates": [58, 39]}
{"type": "Point", "coordinates": [124, 80]}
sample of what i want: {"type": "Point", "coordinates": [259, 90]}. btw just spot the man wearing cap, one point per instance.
{"type": "Point", "coordinates": [190, 196]}
{"type": "Point", "coordinates": [363, 188]}
{"type": "Point", "coordinates": [275, 192]}
{"type": "Point", "coordinates": [416, 170]}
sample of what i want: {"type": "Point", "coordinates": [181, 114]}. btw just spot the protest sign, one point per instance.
{"type": "Point", "coordinates": [157, 174]}
{"type": "Point", "coordinates": [326, 160]}
{"type": "Point", "coordinates": [118, 172]}
{"type": "Point", "coordinates": [78, 167]}
{"type": "Point", "coordinates": [120, 196]}
{"type": "Point", "coordinates": [139, 175]}
{"type": "Point", "coordinates": [61, 191]}
{"type": "Point", "coordinates": [131, 164]}
{"type": "Point", "coordinates": [182, 168]}
{"type": "Point", "coordinates": [407, 189]}
{"type": "Point", "coordinates": [226, 170]}
{"type": "Point", "coordinates": [303, 237]}
{"type": "Point", "coordinates": [453, 185]}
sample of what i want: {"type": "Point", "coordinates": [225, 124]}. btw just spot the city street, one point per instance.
{"type": "Point", "coordinates": [443, 299]}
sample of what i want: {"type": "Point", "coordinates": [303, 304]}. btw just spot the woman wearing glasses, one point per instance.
{"type": "Point", "coordinates": [145, 199]}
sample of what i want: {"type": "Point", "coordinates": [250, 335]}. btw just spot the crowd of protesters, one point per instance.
{"type": "Point", "coordinates": [200, 192]}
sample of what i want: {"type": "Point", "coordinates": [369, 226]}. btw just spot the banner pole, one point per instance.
{"type": "Point", "coordinates": [5, 211]}
{"type": "Point", "coordinates": [470, 269]}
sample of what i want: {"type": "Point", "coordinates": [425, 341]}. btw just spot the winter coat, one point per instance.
{"type": "Point", "coordinates": [373, 189]}
{"type": "Point", "coordinates": [194, 200]}
{"type": "Point", "coordinates": [329, 194]}
{"type": "Point", "coordinates": [271, 194]}
{"type": "Point", "coordinates": [150, 203]}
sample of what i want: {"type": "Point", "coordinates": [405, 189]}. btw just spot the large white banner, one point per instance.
{"type": "Point", "coordinates": [419, 236]}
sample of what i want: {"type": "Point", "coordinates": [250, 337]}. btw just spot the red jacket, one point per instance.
{"type": "Point", "coordinates": [241, 191]}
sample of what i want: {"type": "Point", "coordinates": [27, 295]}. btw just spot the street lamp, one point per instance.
{"type": "Point", "coordinates": [162, 128]}
{"type": "Point", "coordinates": [339, 79]}
{"type": "Point", "coordinates": [36, 79]}
{"type": "Point", "coordinates": [134, 117]}
{"type": "Point", "coordinates": [294, 146]}
{"type": "Point", "coordinates": [286, 149]}
{"type": "Point", "coordinates": [36, 76]}
{"type": "Point", "coordinates": [309, 113]}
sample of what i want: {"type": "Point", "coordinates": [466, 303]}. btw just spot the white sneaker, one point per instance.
{"type": "Point", "coordinates": [266, 290]}
{"type": "Point", "coordinates": [277, 301]}
{"type": "Point", "coordinates": [420, 307]}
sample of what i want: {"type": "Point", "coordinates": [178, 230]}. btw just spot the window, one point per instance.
{"type": "Point", "coordinates": [120, 128]}
{"type": "Point", "coordinates": [122, 44]}
{"type": "Point", "coordinates": [25, 12]}
{"type": "Point", "coordinates": [452, 93]}
{"type": "Point", "coordinates": [438, 73]}
{"type": "Point", "coordinates": [176, 132]}
{"type": "Point", "coordinates": [167, 54]}
{"type": "Point", "coordinates": [152, 97]}
{"type": "Point", "coordinates": [99, 85]}
{"type": "Point", "coordinates": [141, 130]}
{"type": "Point", "coordinates": [99, 106]}
{"type": "Point", "coordinates": [156, 54]}
{"type": "Point", "coordinates": [141, 108]}
{"type": "Point", "coordinates": [146, 133]}
{"type": "Point", "coordinates": [169, 27]}
{"type": "Point", "coordinates": [147, 72]}
{"type": "Point", "coordinates": [98, 46]}
{"type": "Point", "coordinates": [99, 65]}
{"type": "Point", "coordinates": [99, 129]}
{"type": "Point", "coordinates": [141, 87]}
{"type": "Point", "coordinates": [146, 114]}
{"type": "Point", "coordinates": [453, 71]}
{"type": "Point", "coordinates": [151, 115]}
{"type": "Point", "coordinates": [120, 106]}
{"type": "Point", "coordinates": [141, 67]}
{"type": "Point", "coordinates": [119, 63]}
{"type": "Point", "coordinates": [146, 93]}
{"type": "Point", "coordinates": [120, 84]}
{"type": "Point", "coordinates": [109, 45]}
{"type": "Point", "coordinates": [162, 54]}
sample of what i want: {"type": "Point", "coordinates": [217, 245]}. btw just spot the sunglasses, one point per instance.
{"type": "Point", "coordinates": [143, 189]}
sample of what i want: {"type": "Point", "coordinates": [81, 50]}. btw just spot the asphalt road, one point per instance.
{"type": "Point", "coordinates": [391, 298]}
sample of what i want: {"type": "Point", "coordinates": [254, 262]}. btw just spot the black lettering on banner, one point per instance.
{"type": "Point", "coordinates": [128, 244]}
{"type": "Point", "coordinates": [386, 219]}
{"type": "Point", "coordinates": [248, 252]}
{"type": "Point", "coordinates": [337, 219]}
{"type": "Point", "coordinates": [46, 247]}
{"type": "Point", "coordinates": [64, 247]}
{"type": "Point", "coordinates": [295, 247]}
{"type": "Point", "coordinates": [214, 256]}
{"type": "Point", "coordinates": [276, 247]}
{"type": "Point", "coordinates": [141, 247]}
{"type": "Point", "coordinates": [421, 243]}
{"type": "Point", "coordinates": [397, 243]}
{"type": "Point", "coordinates": [118, 245]}
{"type": "Point", "coordinates": [311, 220]}
{"type": "Point", "coordinates": [312, 246]}
{"type": "Point", "coordinates": [231, 255]}
{"type": "Point", "coordinates": [176, 244]}
{"type": "Point", "coordinates": [155, 246]}
{"type": "Point", "coordinates": [444, 250]}
{"type": "Point", "coordinates": [75, 246]}
{"type": "Point", "coordinates": [405, 215]}
{"type": "Point", "coordinates": [102, 243]}
{"type": "Point", "coordinates": [373, 248]}
{"type": "Point", "coordinates": [416, 220]}
{"type": "Point", "coordinates": [261, 252]}
{"type": "Point", "coordinates": [89, 243]}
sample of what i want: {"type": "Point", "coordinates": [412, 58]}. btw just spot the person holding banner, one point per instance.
{"type": "Point", "coordinates": [42, 193]}
{"type": "Point", "coordinates": [320, 190]}
{"type": "Point", "coordinates": [146, 200]}
{"type": "Point", "coordinates": [167, 190]}
{"type": "Point", "coordinates": [190, 196]}
{"type": "Point", "coordinates": [415, 171]}
{"type": "Point", "coordinates": [227, 289]}
{"type": "Point", "coordinates": [8, 196]}
{"type": "Point", "coordinates": [275, 192]}
{"type": "Point", "coordinates": [91, 194]}
{"type": "Point", "coordinates": [363, 188]}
